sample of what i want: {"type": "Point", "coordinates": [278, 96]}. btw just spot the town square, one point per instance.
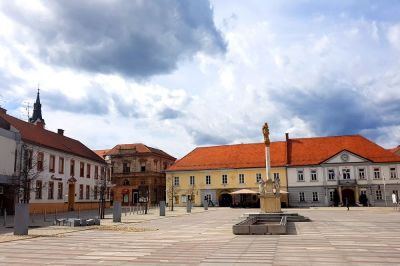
{"type": "Point", "coordinates": [204, 132]}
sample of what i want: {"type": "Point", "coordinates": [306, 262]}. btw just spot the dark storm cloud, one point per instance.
{"type": "Point", "coordinates": [134, 38]}
{"type": "Point", "coordinates": [202, 138]}
{"type": "Point", "coordinates": [332, 112]}
{"type": "Point", "coordinates": [89, 104]}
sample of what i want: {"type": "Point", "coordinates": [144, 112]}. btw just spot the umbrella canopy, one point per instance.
{"type": "Point", "coordinates": [244, 191]}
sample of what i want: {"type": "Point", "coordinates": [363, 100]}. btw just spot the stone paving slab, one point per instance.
{"type": "Point", "coordinates": [361, 236]}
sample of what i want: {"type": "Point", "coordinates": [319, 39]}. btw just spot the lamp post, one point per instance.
{"type": "Point", "coordinates": [384, 189]}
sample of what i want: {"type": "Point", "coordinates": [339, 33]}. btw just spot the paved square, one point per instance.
{"type": "Point", "coordinates": [361, 236]}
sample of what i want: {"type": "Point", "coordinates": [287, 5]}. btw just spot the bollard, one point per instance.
{"type": "Point", "coordinates": [205, 204]}
{"type": "Point", "coordinates": [117, 212]}
{"type": "Point", "coordinates": [188, 206]}
{"type": "Point", "coordinates": [162, 208]}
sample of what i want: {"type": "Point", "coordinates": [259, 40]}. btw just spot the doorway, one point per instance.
{"type": "Point", "coordinates": [71, 196]}
{"type": "Point", "coordinates": [225, 200]}
{"type": "Point", "coordinates": [349, 194]}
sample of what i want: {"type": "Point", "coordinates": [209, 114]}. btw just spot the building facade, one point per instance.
{"type": "Point", "coordinates": [330, 171]}
{"type": "Point", "coordinates": [138, 173]}
{"type": "Point", "coordinates": [218, 171]}
{"type": "Point", "coordinates": [52, 171]}
{"type": "Point", "coordinates": [321, 171]}
{"type": "Point", "coordinates": [9, 143]}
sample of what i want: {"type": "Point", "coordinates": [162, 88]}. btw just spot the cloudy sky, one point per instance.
{"type": "Point", "coordinates": [180, 74]}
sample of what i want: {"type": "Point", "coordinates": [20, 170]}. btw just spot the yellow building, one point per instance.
{"type": "Point", "coordinates": [218, 171]}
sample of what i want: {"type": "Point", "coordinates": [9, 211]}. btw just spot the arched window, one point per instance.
{"type": "Point", "coordinates": [126, 182]}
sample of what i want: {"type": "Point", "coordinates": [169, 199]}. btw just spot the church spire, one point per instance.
{"type": "Point", "coordinates": [37, 111]}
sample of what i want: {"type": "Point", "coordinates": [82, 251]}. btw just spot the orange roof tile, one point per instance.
{"type": "Point", "coordinates": [313, 151]}
{"type": "Point", "coordinates": [36, 135]}
{"type": "Point", "coordinates": [101, 153]}
{"type": "Point", "coordinates": [302, 151]}
{"type": "Point", "coordinates": [395, 150]}
{"type": "Point", "coordinates": [231, 156]}
{"type": "Point", "coordinates": [139, 148]}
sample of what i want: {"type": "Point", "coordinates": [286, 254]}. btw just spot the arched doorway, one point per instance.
{"type": "Point", "coordinates": [349, 194]}
{"type": "Point", "coordinates": [225, 200]}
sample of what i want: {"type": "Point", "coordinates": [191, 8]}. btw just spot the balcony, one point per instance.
{"type": "Point", "coordinates": [347, 182]}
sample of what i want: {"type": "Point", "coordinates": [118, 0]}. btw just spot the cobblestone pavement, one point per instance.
{"type": "Point", "coordinates": [361, 236]}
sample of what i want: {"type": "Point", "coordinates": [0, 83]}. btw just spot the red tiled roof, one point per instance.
{"type": "Point", "coordinates": [395, 150]}
{"type": "Point", "coordinates": [231, 156]}
{"type": "Point", "coordinates": [313, 151]}
{"type": "Point", "coordinates": [101, 153]}
{"type": "Point", "coordinates": [139, 148]}
{"type": "Point", "coordinates": [33, 134]}
{"type": "Point", "coordinates": [302, 151]}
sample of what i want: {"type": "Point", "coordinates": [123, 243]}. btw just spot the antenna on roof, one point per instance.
{"type": "Point", "coordinates": [27, 106]}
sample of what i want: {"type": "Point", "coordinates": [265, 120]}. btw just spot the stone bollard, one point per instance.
{"type": "Point", "coordinates": [205, 204]}
{"type": "Point", "coordinates": [188, 206]}
{"type": "Point", "coordinates": [117, 212]}
{"type": "Point", "coordinates": [21, 219]}
{"type": "Point", "coordinates": [162, 208]}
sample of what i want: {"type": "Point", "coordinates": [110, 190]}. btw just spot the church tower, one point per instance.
{"type": "Point", "coordinates": [37, 112]}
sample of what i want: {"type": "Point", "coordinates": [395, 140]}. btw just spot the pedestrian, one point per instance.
{"type": "Point", "coordinates": [347, 203]}
{"type": "Point", "coordinates": [394, 200]}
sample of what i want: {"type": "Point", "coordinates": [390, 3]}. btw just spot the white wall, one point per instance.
{"type": "Point", "coordinates": [7, 152]}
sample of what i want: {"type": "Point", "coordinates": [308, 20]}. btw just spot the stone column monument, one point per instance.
{"type": "Point", "coordinates": [270, 201]}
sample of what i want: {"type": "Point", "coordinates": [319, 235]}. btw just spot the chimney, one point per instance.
{"type": "Point", "coordinates": [40, 124]}
{"type": "Point", "coordinates": [288, 150]}
{"type": "Point", "coordinates": [3, 111]}
{"type": "Point", "coordinates": [60, 132]}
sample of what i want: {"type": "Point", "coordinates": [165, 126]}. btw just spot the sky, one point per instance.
{"type": "Point", "coordinates": [176, 75]}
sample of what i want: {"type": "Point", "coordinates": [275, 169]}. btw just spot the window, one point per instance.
{"type": "Point", "coordinates": [378, 194]}
{"type": "Point", "coordinates": [50, 191]}
{"type": "Point", "coordinates": [192, 180]}
{"type": "Point", "coordinates": [301, 197]}
{"type": "Point", "coordinates": [276, 176]}
{"type": "Point", "coordinates": [208, 180]}
{"type": "Point", "coordinates": [80, 191]}
{"type": "Point", "coordinates": [224, 179]}
{"type": "Point", "coordinates": [143, 168]}
{"type": "Point", "coordinates": [60, 191]}
{"type": "Point", "coordinates": [88, 170]}
{"type": "Point", "coordinates": [363, 192]}
{"type": "Point", "coordinates": [183, 198]}
{"type": "Point", "coordinates": [208, 197]}
{"type": "Point", "coordinates": [300, 175]}
{"type": "Point", "coordinates": [96, 172]}
{"type": "Point", "coordinates": [87, 192]}
{"type": "Point", "coordinates": [126, 167]}
{"type": "Point", "coordinates": [52, 163]}
{"type": "Point", "coordinates": [241, 178]}
{"type": "Point", "coordinates": [126, 182]}
{"type": "Point", "coordinates": [82, 169]}
{"type": "Point", "coordinates": [95, 192]}
{"type": "Point", "coordinates": [331, 174]}
{"type": "Point", "coordinates": [361, 173]}
{"type": "Point", "coordinates": [331, 195]}
{"type": "Point", "coordinates": [393, 173]}
{"type": "Point", "coordinates": [176, 181]}
{"type": "Point", "coordinates": [28, 158]}
{"type": "Point", "coordinates": [315, 196]}
{"type": "Point", "coordinates": [72, 168]}
{"type": "Point", "coordinates": [61, 165]}
{"type": "Point", "coordinates": [346, 173]}
{"type": "Point", "coordinates": [38, 191]}
{"type": "Point", "coordinates": [258, 177]}
{"type": "Point", "coordinates": [313, 175]}
{"type": "Point", "coordinates": [377, 173]}
{"type": "Point", "coordinates": [40, 157]}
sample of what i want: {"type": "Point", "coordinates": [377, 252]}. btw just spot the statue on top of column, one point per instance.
{"type": "Point", "coordinates": [265, 130]}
